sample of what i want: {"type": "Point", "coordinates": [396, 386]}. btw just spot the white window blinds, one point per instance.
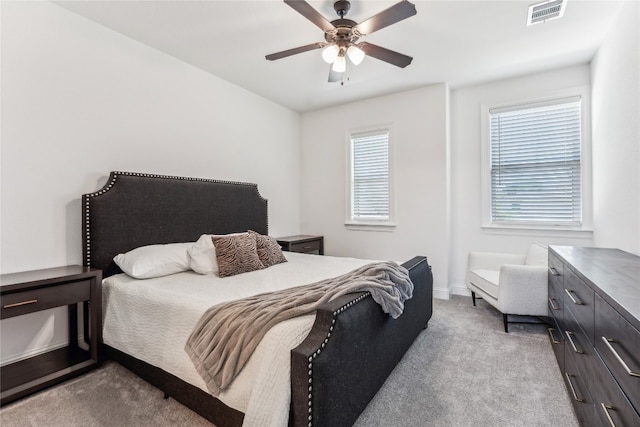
{"type": "Point", "coordinates": [535, 163]}
{"type": "Point", "coordinates": [370, 176]}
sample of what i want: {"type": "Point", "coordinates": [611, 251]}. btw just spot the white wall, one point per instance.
{"type": "Point", "coordinates": [616, 134]}
{"type": "Point", "coordinates": [466, 168]}
{"type": "Point", "coordinates": [79, 100]}
{"type": "Point", "coordinates": [419, 144]}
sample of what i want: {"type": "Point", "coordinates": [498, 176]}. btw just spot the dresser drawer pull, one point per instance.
{"type": "Point", "coordinates": [570, 293]}
{"type": "Point", "coordinates": [553, 339]}
{"type": "Point", "coordinates": [569, 333]}
{"type": "Point", "coordinates": [307, 247]}
{"type": "Point", "coordinates": [553, 271]}
{"type": "Point", "coordinates": [18, 304]}
{"type": "Point", "coordinates": [553, 304]}
{"type": "Point", "coordinates": [573, 391]}
{"type": "Point", "coordinates": [607, 341]}
{"type": "Point", "coordinates": [606, 409]}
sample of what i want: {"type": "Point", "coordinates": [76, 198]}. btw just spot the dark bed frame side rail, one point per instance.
{"type": "Point", "coordinates": [351, 350]}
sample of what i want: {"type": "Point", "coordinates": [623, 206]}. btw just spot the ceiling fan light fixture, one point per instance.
{"type": "Point", "coordinates": [339, 65]}
{"type": "Point", "coordinates": [330, 53]}
{"type": "Point", "coordinates": [342, 35]}
{"type": "Point", "coordinates": [356, 55]}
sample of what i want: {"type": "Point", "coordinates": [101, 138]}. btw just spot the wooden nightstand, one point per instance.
{"type": "Point", "coordinates": [303, 244]}
{"type": "Point", "coordinates": [32, 291]}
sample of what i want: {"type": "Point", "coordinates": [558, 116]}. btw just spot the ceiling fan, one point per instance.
{"type": "Point", "coordinates": [342, 36]}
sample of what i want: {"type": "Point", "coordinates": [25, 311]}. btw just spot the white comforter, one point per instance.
{"type": "Point", "coordinates": [151, 320]}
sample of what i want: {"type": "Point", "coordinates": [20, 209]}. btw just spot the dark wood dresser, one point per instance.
{"type": "Point", "coordinates": [30, 291]}
{"type": "Point", "coordinates": [594, 309]}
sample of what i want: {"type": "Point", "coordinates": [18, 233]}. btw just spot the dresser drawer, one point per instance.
{"type": "Point", "coordinates": [556, 276]}
{"type": "Point", "coordinates": [579, 394]}
{"type": "Point", "coordinates": [556, 338]}
{"type": "Point", "coordinates": [618, 343]}
{"type": "Point", "coordinates": [578, 346]}
{"type": "Point", "coordinates": [579, 299]}
{"type": "Point", "coordinates": [555, 305]}
{"type": "Point", "coordinates": [611, 402]}
{"type": "Point", "coordinates": [305, 247]}
{"type": "Point", "coordinates": [28, 301]}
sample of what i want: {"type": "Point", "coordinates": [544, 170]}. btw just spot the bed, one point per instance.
{"type": "Point", "coordinates": [352, 345]}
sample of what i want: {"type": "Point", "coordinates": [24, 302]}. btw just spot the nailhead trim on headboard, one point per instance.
{"type": "Point", "coordinates": [113, 176]}
{"type": "Point", "coordinates": [324, 343]}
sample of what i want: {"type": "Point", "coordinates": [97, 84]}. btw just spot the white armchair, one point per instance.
{"type": "Point", "coordinates": [513, 284]}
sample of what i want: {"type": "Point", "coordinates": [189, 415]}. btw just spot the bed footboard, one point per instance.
{"type": "Point", "coordinates": [351, 350]}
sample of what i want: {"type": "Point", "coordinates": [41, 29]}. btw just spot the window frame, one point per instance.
{"type": "Point", "coordinates": [351, 222]}
{"type": "Point", "coordinates": [582, 229]}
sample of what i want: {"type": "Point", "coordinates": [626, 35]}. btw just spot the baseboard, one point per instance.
{"type": "Point", "coordinates": [460, 289]}
{"type": "Point", "coordinates": [441, 293]}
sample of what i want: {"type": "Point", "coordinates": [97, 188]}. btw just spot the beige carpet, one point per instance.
{"type": "Point", "coordinates": [461, 371]}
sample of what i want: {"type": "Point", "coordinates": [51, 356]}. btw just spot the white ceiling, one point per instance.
{"type": "Point", "coordinates": [459, 42]}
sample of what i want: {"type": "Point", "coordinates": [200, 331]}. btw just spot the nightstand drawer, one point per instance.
{"type": "Point", "coordinates": [28, 301]}
{"type": "Point", "coordinates": [306, 244]}
{"type": "Point", "coordinates": [305, 247]}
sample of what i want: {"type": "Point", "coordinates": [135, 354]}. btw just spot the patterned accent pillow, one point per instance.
{"type": "Point", "coordinates": [269, 250]}
{"type": "Point", "coordinates": [236, 254]}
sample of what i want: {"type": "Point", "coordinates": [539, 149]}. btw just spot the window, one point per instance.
{"type": "Point", "coordinates": [535, 163]}
{"type": "Point", "coordinates": [370, 177]}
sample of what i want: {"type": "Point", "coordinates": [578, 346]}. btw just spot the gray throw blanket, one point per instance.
{"type": "Point", "coordinates": [227, 334]}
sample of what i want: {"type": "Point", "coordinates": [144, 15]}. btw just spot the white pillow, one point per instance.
{"type": "Point", "coordinates": [151, 261]}
{"type": "Point", "coordinates": [203, 254]}
{"type": "Point", "coordinates": [537, 254]}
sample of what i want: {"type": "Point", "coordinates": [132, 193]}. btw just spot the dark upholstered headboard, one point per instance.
{"type": "Point", "coordinates": [135, 209]}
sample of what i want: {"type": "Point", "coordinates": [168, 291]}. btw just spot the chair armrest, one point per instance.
{"type": "Point", "coordinates": [492, 260]}
{"type": "Point", "coordinates": [523, 289]}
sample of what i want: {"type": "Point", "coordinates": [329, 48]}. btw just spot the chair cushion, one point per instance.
{"type": "Point", "coordinates": [487, 280]}
{"type": "Point", "coordinates": [537, 255]}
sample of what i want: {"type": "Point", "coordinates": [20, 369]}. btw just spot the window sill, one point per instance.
{"type": "Point", "coordinates": [370, 226]}
{"type": "Point", "coordinates": [532, 230]}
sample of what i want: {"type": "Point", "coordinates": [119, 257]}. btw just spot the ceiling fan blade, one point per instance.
{"type": "Point", "coordinates": [395, 13]}
{"type": "Point", "coordinates": [306, 10]}
{"type": "Point", "coordinates": [295, 51]}
{"type": "Point", "coordinates": [385, 55]}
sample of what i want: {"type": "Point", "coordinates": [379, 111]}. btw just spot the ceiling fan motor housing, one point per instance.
{"type": "Point", "coordinates": [343, 34]}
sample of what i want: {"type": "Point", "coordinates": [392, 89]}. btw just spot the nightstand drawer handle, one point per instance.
{"type": "Point", "coordinates": [553, 339]}
{"type": "Point", "coordinates": [607, 341]}
{"type": "Point", "coordinates": [306, 247]}
{"type": "Point", "coordinates": [18, 304]}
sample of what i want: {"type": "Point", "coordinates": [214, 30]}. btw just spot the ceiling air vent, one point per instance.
{"type": "Point", "coordinates": [545, 11]}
